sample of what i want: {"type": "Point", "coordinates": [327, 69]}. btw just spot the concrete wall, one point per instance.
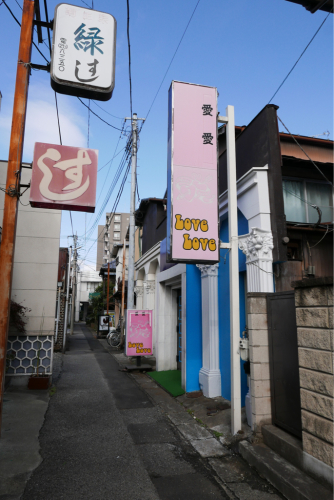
{"type": "Point", "coordinates": [36, 259]}
{"type": "Point", "coordinates": [259, 360]}
{"type": "Point", "coordinates": [314, 314]}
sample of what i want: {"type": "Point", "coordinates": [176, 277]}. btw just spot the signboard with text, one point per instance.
{"type": "Point", "coordinates": [139, 333]}
{"type": "Point", "coordinates": [64, 178]}
{"type": "Point", "coordinates": [192, 204]}
{"type": "Point", "coordinates": [83, 52]}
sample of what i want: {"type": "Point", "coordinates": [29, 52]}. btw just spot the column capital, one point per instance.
{"type": "Point", "coordinates": [139, 290]}
{"type": "Point", "coordinates": [208, 270]}
{"type": "Point", "coordinates": [258, 244]}
{"type": "Point", "coordinates": [150, 286]}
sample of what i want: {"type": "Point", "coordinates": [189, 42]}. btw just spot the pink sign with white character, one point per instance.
{"type": "Point", "coordinates": [64, 178]}
{"type": "Point", "coordinates": [139, 333]}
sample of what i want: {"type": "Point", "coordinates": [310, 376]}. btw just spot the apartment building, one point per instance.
{"type": "Point", "coordinates": [113, 232]}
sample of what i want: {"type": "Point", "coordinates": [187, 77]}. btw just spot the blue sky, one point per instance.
{"type": "Point", "coordinates": [243, 48]}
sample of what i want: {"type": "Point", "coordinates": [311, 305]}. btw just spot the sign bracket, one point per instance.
{"type": "Point", "coordinates": [44, 24]}
{"type": "Point", "coordinates": [40, 67]}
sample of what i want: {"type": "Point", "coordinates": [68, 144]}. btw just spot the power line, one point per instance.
{"type": "Point", "coordinates": [110, 161]}
{"type": "Point", "coordinates": [316, 166]}
{"type": "Point", "coordinates": [18, 22]}
{"type": "Point", "coordinates": [112, 126]}
{"type": "Point", "coordinates": [112, 186]}
{"type": "Point", "coordinates": [177, 48]}
{"type": "Point", "coordinates": [119, 194]}
{"type": "Point", "coordinates": [301, 55]}
{"type": "Point", "coordinates": [129, 51]}
{"type": "Point", "coordinates": [114, 116]}
{"type": "Point", "coordinates": [119, 152]}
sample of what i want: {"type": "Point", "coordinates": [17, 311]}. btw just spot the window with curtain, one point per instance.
{"type": "Point", "coordinates": [299, 195]}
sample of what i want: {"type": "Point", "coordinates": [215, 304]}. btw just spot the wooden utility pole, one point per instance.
{"type": "Point", "coordinates": [13, 182]}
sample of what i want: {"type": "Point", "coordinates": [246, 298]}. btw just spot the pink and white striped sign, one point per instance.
{"type": "Point", "coordinates": [192, 205]}
{"type": "Point", "coordinates": [139, 333]}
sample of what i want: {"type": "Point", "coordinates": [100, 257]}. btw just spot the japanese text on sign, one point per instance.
{"type": "Point", "coordinates": [192, 204]}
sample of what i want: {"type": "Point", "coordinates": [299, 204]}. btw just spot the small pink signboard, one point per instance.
{"type": "Point", "coordinates": [139, 333]}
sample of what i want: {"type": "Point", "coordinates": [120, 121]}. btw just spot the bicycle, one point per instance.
{"type": "Point", "coordinates": [114, 337]}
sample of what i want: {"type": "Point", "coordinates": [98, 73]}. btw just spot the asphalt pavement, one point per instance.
{"type": "Point", "coordinates": [104, 438]}
{"type": "Point", "coordinates": [103, 433]}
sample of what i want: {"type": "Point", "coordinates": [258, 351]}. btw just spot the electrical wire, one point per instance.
{"type": "Point", "coordinates": [120, 168]}
{"type": "Point", "coordinates": [98, 116]}
{"type": "Point", "coordinates": [301, 55]}
{"type": "Point", "coordinates": [177, 48]}
{"type": "Point", "coordinates": [118, 197]}
{"type": "Point", "coordinates": [320, 239]}
{"type": "Point", "coordinates": [110, 161]}
{"type": "Point", "coordinates": [119, 152]}
{"type": "Point", "coordinates": [307, 202]}
{"type": "Point", "coordinates": [18, 22]}
{"type": "Point", "coordinates": [316, 166]}
{"type": "Point", "coordinates": [114, 116]}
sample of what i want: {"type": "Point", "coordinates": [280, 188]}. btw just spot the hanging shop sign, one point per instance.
{"type": "Point", "coordinates": [139, 333]}
{"type": "Point", "coordinates": [64, 178]}
{"type": "Point", "coordinates": [83, 52]}
{"type": "Point", "coordinates": [192, 204]}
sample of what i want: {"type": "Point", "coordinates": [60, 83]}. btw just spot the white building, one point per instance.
{"type": "Point", "coordinates": [34, 282]}
{"type": "Point", "coordinates": [88, 281]}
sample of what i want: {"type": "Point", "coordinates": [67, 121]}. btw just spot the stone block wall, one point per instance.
{"type": "Point", "coordinates": [259, 360]}
{"type": "Point", "coordinates": [314, 315]}
{"type": "Point", "coordinates": [58, 346]}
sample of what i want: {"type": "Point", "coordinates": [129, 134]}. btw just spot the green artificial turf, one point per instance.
{"type": "Point", "coordinates": [169, 380]}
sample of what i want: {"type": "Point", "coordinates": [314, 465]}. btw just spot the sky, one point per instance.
{"type": "Point", "coordinates": [243, 48]}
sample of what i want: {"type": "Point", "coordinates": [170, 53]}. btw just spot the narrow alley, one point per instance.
{"type": "Point", "coordinates": [105, 437]}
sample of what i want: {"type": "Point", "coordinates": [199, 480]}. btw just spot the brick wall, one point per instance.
{"type": "Point", "coordinates": [314, 315]}
{"type": "Point", "coordinates": [259, 360]}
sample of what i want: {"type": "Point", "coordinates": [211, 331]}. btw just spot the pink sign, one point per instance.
{"type": "Point", "coordinates": [139, 333]}
{"type": "Point", "coordinates": [192, 227]}
{"type": "Point", "coordinates": [64, 178]}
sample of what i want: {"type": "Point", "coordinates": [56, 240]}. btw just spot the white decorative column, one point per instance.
{"type": "Point", "coordinates": [209, 375]}
{"type": "Point", "coordinates": [139, 291]}
{"type": "Point", "coordinates": [150, 294]}
{"type": "Point", "coordinates": [257, 246]}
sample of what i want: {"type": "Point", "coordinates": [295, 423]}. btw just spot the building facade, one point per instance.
{"type": "Point", "coordinates": [34, 284]}
{"type": "Point", "coordinates": [113, 232]}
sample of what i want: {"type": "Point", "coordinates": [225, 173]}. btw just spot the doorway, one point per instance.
{"type": "Point", "coordinates": [283, 357]}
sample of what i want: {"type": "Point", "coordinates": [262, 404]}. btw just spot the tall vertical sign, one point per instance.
{"type": "Point", "coordinates": [192, 205]}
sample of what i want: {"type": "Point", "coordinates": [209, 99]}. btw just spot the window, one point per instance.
{"type": "Point", "coordinates": [117, 227]}
{"type": "Point", "coordinates": [117, 218]}
{"type": "Point", "coordinates": [299, 195]}
{"type": "Point", "coordinates": [116, 236]}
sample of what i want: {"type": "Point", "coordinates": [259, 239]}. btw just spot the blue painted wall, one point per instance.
{"type": "Point", "coordinates": [224, 309]}
{"type": "Point", "coordinates": [194, 328]}
{"type": "Point", "coordinates": [194, 317]}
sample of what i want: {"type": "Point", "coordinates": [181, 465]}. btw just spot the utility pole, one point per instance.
{"type": "Point", "coordinates": [67, 296]}
{"type": "Point", "coordinates": [74, 282]}
{"type": "Point", "coordinates": [123, 291]}
{"type": "Point", "coordinates": [131, 255]}
{"type": "Point", "coordinates": [13, 182]}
